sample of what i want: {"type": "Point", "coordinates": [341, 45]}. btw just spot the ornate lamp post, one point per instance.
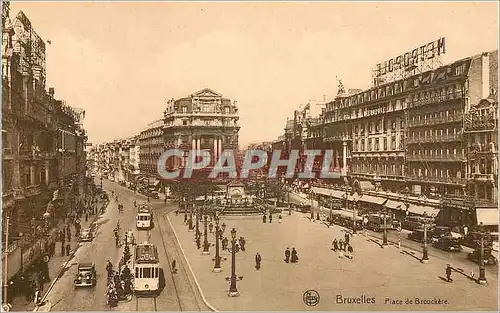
{"type": "Point", "coordinates": [354, 215]}
{"type": "Point", "coordinates": [233, 291]}
{"type": "Point", "coordinates": [197, 213]}
{"type": "Point", "coordinates": [482, 271]}
{"type": "Point", "coordinates": [205, 239]}
{"type": "Point", "coordinates": [384, 239]}
{"type": "Point", "coordinates": [425, 255]}
{"type": "Point", "coordinates": [218, 234]}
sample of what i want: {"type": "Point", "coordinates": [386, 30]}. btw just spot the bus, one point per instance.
{"type": "Point", "coordinates": [146, 269]}
{"type": "Point", "coordinates": [144, 218]}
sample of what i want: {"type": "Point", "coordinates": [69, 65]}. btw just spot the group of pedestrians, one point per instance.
{"type": "Point", "coordinates": [264, 218]}
{"type": "Point", "coordinates": [291, 256]}
{"type": "Point", "coordinates": [343, 246]}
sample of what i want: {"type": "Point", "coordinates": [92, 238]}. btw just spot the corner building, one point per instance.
{"type": "Point", "coordinates": [203, 120]}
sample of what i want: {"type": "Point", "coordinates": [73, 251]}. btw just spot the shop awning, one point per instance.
{"type": "Point", "coordinates": [354, 197]}
{"type": "Point", "coordinates": [489, 217]}
{"type": "Point", "coordinates": [396, 205]}
{"type": "Point", "coordinates": [372, 199]}
{"type": "Point", "coordinates": [366, 185]}
{"type": "Point", "coordinates": [328, 192]}
{"type": "Point", "coordinates": [420, 210]}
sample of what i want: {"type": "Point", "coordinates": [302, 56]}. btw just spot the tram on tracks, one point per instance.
{"type": "Point", "coordinates": [147, 272]}
{"type": "Point", "coordinates": [144, 217]}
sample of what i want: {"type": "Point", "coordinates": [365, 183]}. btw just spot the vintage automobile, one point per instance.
{"type": "Point", "coordinates": [86, 275]}
{"type": "Point", "coordinates": [86, 234]}
{"type": "Point", "coordinates": [448, 244]}
{"type": "Point", "coordinates": [489, 258]}
{"type": "Point", "coordinates": [417, 235]}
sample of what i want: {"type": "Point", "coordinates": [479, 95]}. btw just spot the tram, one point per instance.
{"type": "Point", "coordinates": [146, 269]}
{"type": "Point", "coordinates": [144, 218]}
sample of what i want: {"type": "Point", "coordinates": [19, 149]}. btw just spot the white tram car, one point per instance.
{"type": "Point", "coordinates": [144, 218]}
{"type": "Point", "coordinates": [146, 269]}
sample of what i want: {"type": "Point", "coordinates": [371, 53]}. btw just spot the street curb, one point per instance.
{"type": "Point", "coordinates": [64, 266]}
{"type": "Point", "coordinates": [190, 268]}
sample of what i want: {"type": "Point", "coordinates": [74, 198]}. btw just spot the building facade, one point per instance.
{"type": "Point", "coordinates": [43, 143]}
{"type": "Point", "coordinates": [151, 147]}
{"type": "Point", "coordinates": [203, 120]}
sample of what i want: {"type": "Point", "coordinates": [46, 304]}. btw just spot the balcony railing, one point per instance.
{"type": "Point", "coordinates": [443, 157]}
{"type": "Point", "coordinates": [436, 99]}
{"type": "Point", "coordinates": [32, 190]}
{"type": "Point", "coordinates": [436, 120]}
{"type": "Point", "coordinates": [483, 177]}
{"type": "Point", "coordinates": [447, 180]}
{"type": "Point", "coordinates": [438, 138]}
{"type": "Point", "coordinates": [480, 123]}
{"type": "Point", "coordinates": [336, 138]}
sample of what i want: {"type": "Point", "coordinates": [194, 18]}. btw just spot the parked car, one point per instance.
{"type": "Point", "coordinates": [448, 244]}
{"type": "Point", "coordinates": [489, 258]}
{"type": "Point", "coordinates": [417, 235]}
{"type": "Point", "coordinates": [86, 275]}
{"type": "Point", "coordinates": [86, 235]}
{"type": "Point", "coordinates": [438, 232]}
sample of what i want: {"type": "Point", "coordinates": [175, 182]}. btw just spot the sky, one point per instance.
{"type": "Point", "coordinates": [121, 61]}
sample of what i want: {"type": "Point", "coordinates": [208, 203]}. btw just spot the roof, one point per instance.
{"type": "Point", "coordinates": [87, 264]}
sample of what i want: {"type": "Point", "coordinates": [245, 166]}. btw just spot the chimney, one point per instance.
{"type": "Point", "coordinates": [51, 92]}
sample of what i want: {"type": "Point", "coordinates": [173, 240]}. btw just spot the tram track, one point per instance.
{"type": "Point", "coordinates": [145, 304]}
{"type": "Point", "coordinates": [187, 295]}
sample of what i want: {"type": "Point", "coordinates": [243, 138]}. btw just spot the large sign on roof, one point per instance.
{"type": "Point", "coordinates": [410, 63]}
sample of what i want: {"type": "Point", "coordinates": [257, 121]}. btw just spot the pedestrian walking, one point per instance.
{"type": "Point", "coordinates": [270, 218]}
{"type": "Point", "coordinates": [341, 245]}
{"type": "Point", "coordinates": [68, 248]}
{"type": "Point", "coordinates": [185, 218]}
{"type": "Point", "coordinates": [264, 218]}
{"type": "Point", "coordinates": [62, 235]}
{"type": "Point", "coordinates": [350, 250]}
{"type": "Point", "coordinates": [258, 259]}
{"type": "Point", "coordinates": [335, 245]}
{"type": "Point", "coordinates": [211, 227]}
{"type": "Point", "coordinates": [287, 255]}
{"type": "Point", "coordinates": [279, 218]}
{"type": "Point", "coordinates": [242, 243]}
{"type": "Point", "coordinates": [294, 258]}
{"type": "Point", "coordinates": [346, 236]}
{"type": "Point", "coordinates": [174, 269]}
{"type": "Point", "coordinates": [448, 273]}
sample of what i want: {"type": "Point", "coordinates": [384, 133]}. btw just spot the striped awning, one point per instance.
{"type": "Point", "coordinates": [396, 205]}
{"type": "Point", "coordinates": [423, 210]}
{"type": "Point", "coordinates": [372, 199]}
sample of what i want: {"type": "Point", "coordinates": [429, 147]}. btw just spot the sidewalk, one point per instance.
{"type": "Point", "coordinates": [57, 262]}
{"type": "Point", "coordinates": [373, 272]}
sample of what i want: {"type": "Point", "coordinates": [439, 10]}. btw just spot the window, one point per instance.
{"type": "Point", "coordinates": [377, 146]}
{"type": "Point", "coordinates": [184, 109]}
{"type": "Point", "coordinates": [184, 122]}
{"type": "Point", "coordinates": [459, 70]}
{"type": "Point", "coordinates": [385, 143]}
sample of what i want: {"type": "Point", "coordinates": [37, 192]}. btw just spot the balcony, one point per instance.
{"type": "Point", "coordinates": [335, 138]}
{"type": "Point", "coordinates": [436, 121]}
{"type": "Point", "coordinates": [483, 177]}
{"type": "Point", "coordinates": [458, 95]}
{"type": "Point", "coordinates": [436, 139]}
{"type": "Point", "coordinates": [439, 180]}
{"type": "Point", "coordinates": [437, 158]}
{"type": "Point", "coordinates": [32, 190]}
{"type": "Point", "coordinates": [477, 123]}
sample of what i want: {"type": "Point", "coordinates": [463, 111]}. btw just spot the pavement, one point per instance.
{"type": "Point", "coordinates": [394, 278]}
{"type": "Point", "coordinates": [56, 264]}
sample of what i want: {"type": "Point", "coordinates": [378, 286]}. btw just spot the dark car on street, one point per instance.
{"type": "Point", "coordinates": [417, 235]}
{"type": "Point", "coordinates": [86, 275]}
{"type": "Point", "coordinates": [448, 244]}
{"type": "Point", "coordinates": [489, 258]}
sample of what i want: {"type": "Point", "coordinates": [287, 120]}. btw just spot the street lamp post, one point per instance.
{"type": "Point", "coordinates": [197, 227]}
{"type": "Point", "coordinates": [384, 240]}
{"type": "Point", "coordinates": [217, 268]}
{"type": "Point", "coordinates": [354, 214]}
{"type": "Point", "coordinates": [205, 239]}
{"type": "Point", "coordinates": [5, 274]}
{"type": "Point", "coordinates": [233, 291]}
{"type": "Point", "coordinates": [425, 255]}
{"type": "Point", "coordinates": [482, 271]}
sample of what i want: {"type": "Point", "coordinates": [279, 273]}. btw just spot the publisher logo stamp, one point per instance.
{"type": "Point", "coordinates": [311, 297]}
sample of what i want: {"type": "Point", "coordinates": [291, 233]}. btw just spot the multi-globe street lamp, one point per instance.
{"type": "Point", "coordinates": [205, 239]}
{"type": "Point", "coordinates": [233, 291]}
{"type": "Point", "coordinates": [425, 254]}
{"type": "Point", "coordinates": [482, 270]}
